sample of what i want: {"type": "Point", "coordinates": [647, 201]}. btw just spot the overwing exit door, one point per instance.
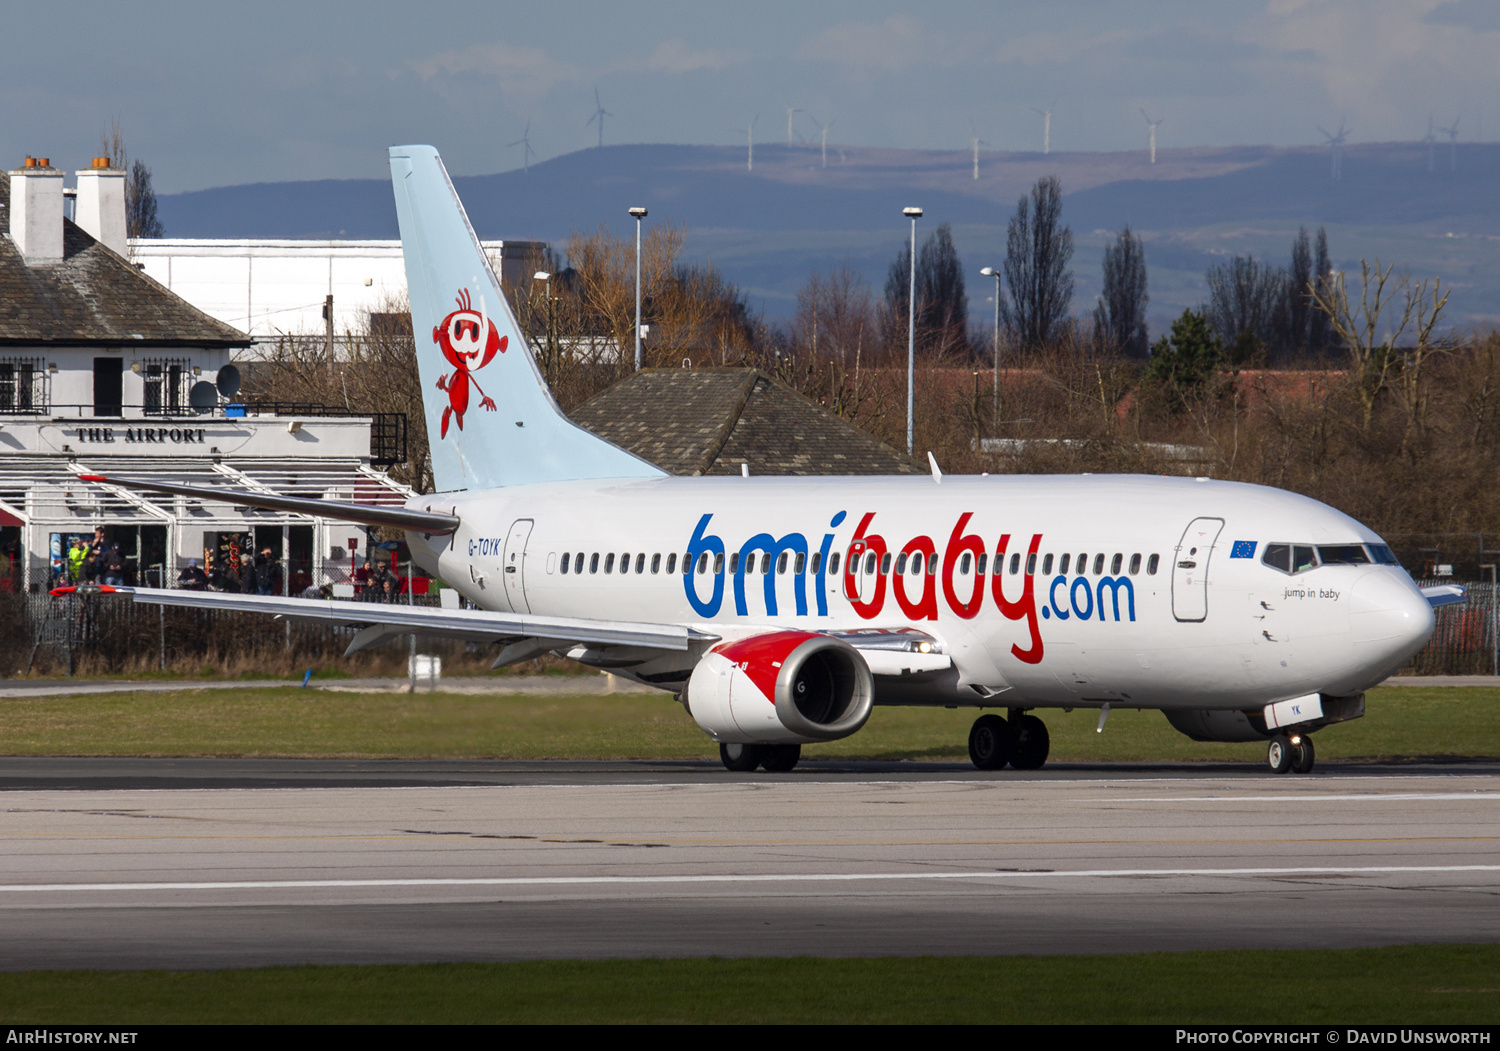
{"type": "Point", "coordinates": [513, 568]}
{"type": "Point", "coordinates": [1190, 569]}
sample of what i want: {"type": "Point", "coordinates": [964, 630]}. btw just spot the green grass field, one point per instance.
{"type": "Point", "coordinates": [1405, 722]}
{"type": "Point", "coordinates": [1407, 985]}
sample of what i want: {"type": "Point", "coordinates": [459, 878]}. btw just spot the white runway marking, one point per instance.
{"type": "Point", "coordinates": [793, 877]}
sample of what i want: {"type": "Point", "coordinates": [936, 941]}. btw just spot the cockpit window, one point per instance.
{"type": "Point", "coordinates": [1290, 558]}
{"type": "Point", "coordinates": [1343, 554]}
{"type": "Point", "coordinates": [1382, 555]}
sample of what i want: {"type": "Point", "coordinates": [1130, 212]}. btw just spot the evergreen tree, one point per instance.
{"type": "Point", "coordinates": [1319, 334]}
{"type": "Point", "coordinates": [1299, 308]}
{"type": "Point", "coordinates": [942, 315]}
{"type": "Point", "coordinates": [1184, 360]}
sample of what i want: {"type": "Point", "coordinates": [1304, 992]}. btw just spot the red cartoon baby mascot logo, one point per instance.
{"type": "Point", "coordinates": [469, 342]}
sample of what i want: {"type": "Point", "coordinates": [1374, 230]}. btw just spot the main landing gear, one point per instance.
{"type": "Point", "coordinates": [1290, 752]}
{"type": "Point", "coordinates": [772, 758]}
{"type": "Point", "coordinates": [1022, 742]}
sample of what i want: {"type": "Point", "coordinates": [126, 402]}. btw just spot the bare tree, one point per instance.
{"type": "Point", "coordinates": [1246, 299]}
{"type": "Point", "coordinates": [942, 314]}
{"type": "Point", "coordinates": [1407, 312]}
{"type": "Point", "coordinates": [1037, 253]}
{"type": "Point", "coordinates": [141, 219]}
{"type": "Point", "coordinates": [1120, 317]}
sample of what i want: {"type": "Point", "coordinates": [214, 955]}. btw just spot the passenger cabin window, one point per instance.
{"type": "Point", "coordinates": [1151, 565]}
{"type": "Point", "coordinates": [817, 561]}
{"type": "Point", "coordinates": [609, 562]}
{"type": "Point", "coordinates": [656, 563]}
{"type": "Point", "coordinates": [578, 562]}
{"type": "Point", "coordinates": [567, 560]}
{"type": "Point", "coordinates": [932, 564]}
{"type": "Point", "coordinates": [901, 564]}
{"type": "Point", "coordinates": [718, 563]}
{"type": "Point", "coordinates": [1031, 564]}
{"type": "Point", "coordinates": [1046, 564]}
{"type": "Point", "coordinates": [594, 562]}
{"type": "Point", "coordinates": [1015, 564]}
{"type": "Point", "coordinates": [885, 565]}
{"type": "Point", "coordinates": [833, 562]}
{"type": "Point", "coordinates": [734, 562]}
{"type": "Point", "coordinates": [980, 562]}
{"type": "Point", "coordinates": [963, 563]}
{"type": "Point", "coordinates": [672, 562]}
{"type": "Point", "coordinates": [1115, 564]}
{"type": "Point", "coordinates": [1062, 565]}
{"type": "Point", "coordinates": [1098, 564]}
{"type": "Point", "coordinates": [1135, 563]}
{"type": "Point", "coordinates": [780, 563]}
{"type": "Point", "coordinates": [640, 563]}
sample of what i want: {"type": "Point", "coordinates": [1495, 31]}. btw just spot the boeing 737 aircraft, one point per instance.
{"type": "Point", "coordinates": [779, 610]}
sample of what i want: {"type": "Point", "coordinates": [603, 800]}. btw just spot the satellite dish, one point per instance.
{"type": "Point", "coordinates": [202, 397]}
{"type": "Point", "coordinates": [229, 381]}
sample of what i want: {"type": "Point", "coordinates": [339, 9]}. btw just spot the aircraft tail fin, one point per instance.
{"type": "Point", "coordinates": [491, 420]}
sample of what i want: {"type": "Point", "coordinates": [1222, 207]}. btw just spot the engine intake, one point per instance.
{"type": "Point", "coordinates": [785, 687]}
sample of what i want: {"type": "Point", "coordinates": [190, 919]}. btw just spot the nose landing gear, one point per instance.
{"type": "Point", "coordinates": [1022, 742]}
{"type": "Point", "coordinates": [1290, 752]}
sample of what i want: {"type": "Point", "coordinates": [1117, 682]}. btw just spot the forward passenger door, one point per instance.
{"type": "Point", "coordinates": [1190, 569]}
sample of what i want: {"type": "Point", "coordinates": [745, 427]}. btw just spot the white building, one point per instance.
{"type": "Point", "coordinates": [103, 370]}
{"type": "Point", "coordinates": [273, 288]}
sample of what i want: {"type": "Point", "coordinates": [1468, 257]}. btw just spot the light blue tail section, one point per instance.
{"type": "Point", "coordinates": [490, 419]}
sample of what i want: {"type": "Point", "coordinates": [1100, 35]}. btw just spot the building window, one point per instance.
{"type": "Point", "coordinates": [164, 386]}
{"type": "Point", "coordinates": [23, 386]}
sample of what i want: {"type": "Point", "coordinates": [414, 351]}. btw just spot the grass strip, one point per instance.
{"type": "Point", "coordinates": [1431, 984]}
{"type": "Point", "coordinates": [1405, 722]}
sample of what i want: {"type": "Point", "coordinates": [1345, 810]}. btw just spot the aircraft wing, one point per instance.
{"type": "Point", "coordinates": [380, 622]}
{"type": "Point", "coordinates": [1445, 594]}
{"type": "Point", "coordinates": [431, 522]}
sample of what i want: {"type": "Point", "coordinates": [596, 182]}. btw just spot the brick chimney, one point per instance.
{"type": "Point", "coordinates": [36, 210]}
{"type": "Point", "coordinates": [100, 210]}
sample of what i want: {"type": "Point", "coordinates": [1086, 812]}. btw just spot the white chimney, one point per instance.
{"type": "Point", "coordinates": [36, 210]}
{"type": "Point", "coordinates": [100, 209]}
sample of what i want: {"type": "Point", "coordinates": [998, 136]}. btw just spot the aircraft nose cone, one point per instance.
{"type": "Point", "coordinates": [1388, 614]}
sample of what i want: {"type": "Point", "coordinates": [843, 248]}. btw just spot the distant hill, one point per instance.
{"type": "Point", "coordinates": [770, 227]}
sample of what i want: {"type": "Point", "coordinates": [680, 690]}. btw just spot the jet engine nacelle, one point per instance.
{"type": "Point", "coordinates": [784, 687]}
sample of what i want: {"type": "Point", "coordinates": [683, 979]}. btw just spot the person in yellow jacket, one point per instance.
{"type": "Point", "coordinates": [76, 554]}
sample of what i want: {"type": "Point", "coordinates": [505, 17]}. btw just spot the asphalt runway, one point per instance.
{"type": "Point", "coordinates": [412, 862]}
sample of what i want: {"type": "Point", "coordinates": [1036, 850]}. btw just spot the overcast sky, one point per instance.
{"type": "Point", "coordinates": [210, 95]}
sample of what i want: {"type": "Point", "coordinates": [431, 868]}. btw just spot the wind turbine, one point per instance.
{"type": "Point", "coordinates": [750, 144]}
{"type": "Point", "coordinates": [977, 142]}
{"type": "Point", "coordinates": [790, 109]}
{"type": "Point", "coordinates": [1431, 141]}
{"type": "Point", "coordinates": [1336, 144]}
{"type": "Point", "coordinates": [1152, 125]}
{"type": "Point", "coordinates": [528, 152]}
{"type": "Point", "coordinates": [823, 128]}
{"type": "Point", "coordinates": [1452, 134]}
{"type": "Point", "coordinates": [1046, 115]}
{"type": "Point", "coordinates": [599, 114]}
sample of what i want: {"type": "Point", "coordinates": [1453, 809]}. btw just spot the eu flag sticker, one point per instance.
{"type": "Point", "coordinates": [1243, 549]}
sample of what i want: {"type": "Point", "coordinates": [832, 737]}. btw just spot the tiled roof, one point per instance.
{"type": "Point", "coordinates": [710, 421]}
{"type": "Point", "coordinates": [93, 296]}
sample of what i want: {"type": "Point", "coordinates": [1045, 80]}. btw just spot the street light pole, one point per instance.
{"type": "Point", "coordinates": [994, 272]}
{"type": "Point", "coordinates": [911, 331]}
{"type": "Point", "coordinates": [639, 213]}
{"type": "Point", "coordinates": [551, 358]}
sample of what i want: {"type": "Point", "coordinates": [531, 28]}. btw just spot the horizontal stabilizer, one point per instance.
{"type": "Point", "coordinates": [380, 622]}
{"type": "Point", "coordinates": [1445, 594]}
{"type": "Point", "coordinates": [430, 522]}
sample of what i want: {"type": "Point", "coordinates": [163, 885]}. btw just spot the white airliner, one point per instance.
{"type": "Point", "coordinates": [781, 609]}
